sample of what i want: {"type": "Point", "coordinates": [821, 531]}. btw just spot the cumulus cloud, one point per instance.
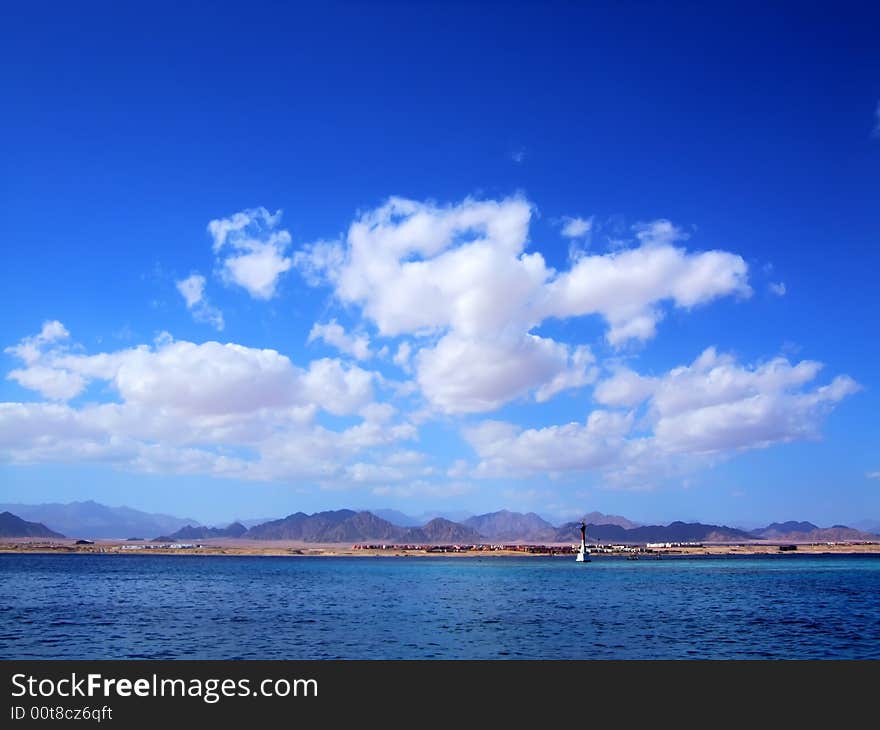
{"type": "Point", "coordinates": [712, 407]}
{"type": "Point", "coordinates": [627, 287]}
{"type": "Point", "coordinates": [30, 348]}
{"type": "Point", "coordinates": [192, 289]}
{"type": "Point", "coordinates": [464, 375]}
{"type": "Point", "coordinates": [251, 250]}
{"type": "Point", "coordinates": [185, 407]}
{"type": "Point", "coordinates": [508, 450]}
{"type": "Point", "coordinates": [717, 405]}
{"type": "Point", "coordinates": [334, 334]}
{"type": "Point", "coordinates": [458, 278]}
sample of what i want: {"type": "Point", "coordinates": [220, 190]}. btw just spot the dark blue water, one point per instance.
{"type": "Point", "coordinates": [93, 606]}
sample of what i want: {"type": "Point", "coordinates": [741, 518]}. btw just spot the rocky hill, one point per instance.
{"type": "Point", "coordinates": [808, 532]}
{"type": "Point", "coordinates": [443, 532]}
{"type": "Point", "coordinates": [506, 526]}
{"type": "Point", "coordinates": [190, 532]}
{"type": "Point", "coordinates": [674, 532]}
{"type": "Point", "coordinates": [13, 526]}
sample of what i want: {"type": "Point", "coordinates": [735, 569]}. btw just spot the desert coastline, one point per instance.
{"type": "Point", "coordinates": [295, 548]}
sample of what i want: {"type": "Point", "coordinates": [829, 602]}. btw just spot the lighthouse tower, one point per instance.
{"type": "Point", "coordinates": [583, 555]}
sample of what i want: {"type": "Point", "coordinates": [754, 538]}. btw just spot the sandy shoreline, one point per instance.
{"type": "Point", "coordinates": [278, 548]}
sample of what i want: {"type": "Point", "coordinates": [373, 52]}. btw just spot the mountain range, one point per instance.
{"type": "Point", "coordinates": [808, 532]}
{"type": "Point", "coordinates": [93, 520]}
{"type": "Point", "coordinates": [674, 532]}
{"type": "Point", "coordinates": [350, 526]}
{"type": "Point", "coordinates": [506, 526]}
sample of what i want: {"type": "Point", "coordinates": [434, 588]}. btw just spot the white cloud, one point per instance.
{"type": "Point", "coordinates": [507, 450]}
{"type": "Point", "coordinates": [463, 375]}
{"type": "Point", "coordinates": [576, 227]}
{"type": "Point", "coordinates": [579, 372]}
{"type": "Point", "coordinates": [777, 288]}
{"type": "Point", "coordinates": [716, 405]}
{"type": "Point", "coordinates": [873, 475]}
{"type": "Point", "coordinates": [713, 407]}
{"type": "Point", "coordinates": [316, 261]}
{"type": "Point", "coordinates": [221, 409]}
{"type": "Point", "coordinates": [423, 488]}
{"type": "Point", "coordinates": [52, 383]}
{"type": "Point", "coordinates": [30, 348]}
{"type": "Point", "coordinates": [460, 273]}
{"type": "Point", "coordinates": [660, 232]}
{"type": "Point", "coordinates": [334, 334]}
{"type": "Point", "coordinates": [192, 289]}
{"type": "Point", "coordinates": [338, 388]}
{"type": "Point", "coordinates": [626, 287]}
{"type": "Point", "coordinates": [251, 252]}
{"type": "Point", "coordinates": [401, 357]}
{"type": "Point", "coordinates": [625, 388]}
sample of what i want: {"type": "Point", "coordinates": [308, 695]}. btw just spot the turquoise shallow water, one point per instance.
{"type": "Point", "coordinates": [199, 607]}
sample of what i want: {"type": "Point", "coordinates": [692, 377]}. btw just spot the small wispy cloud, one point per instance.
{"type": "Point", "coordinates": [574, 227]}
{"type": "Point", "coordinates": [251, 250]}
{"type": "Point", "coordinates": [192, 289]}
{"type": "Point", "coordinates": [334, 334]}
{"type": "Point", "coordinates": [518, 155]}
{"type": "Point", "coordinates": [777, 288]}
{"type": "Point", "coordinates": [873, 475]}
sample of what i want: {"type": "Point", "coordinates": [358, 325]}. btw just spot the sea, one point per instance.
{"type": "Point", "coordinates": [81, 606]}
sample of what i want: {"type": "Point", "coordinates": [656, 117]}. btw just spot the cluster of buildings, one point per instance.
{"type": "Point", "coordinates": [162, 546]}
{"type": "Point", "coordinates": [542, 549]}
{"type": "Point", "coordinates": [519, 548]}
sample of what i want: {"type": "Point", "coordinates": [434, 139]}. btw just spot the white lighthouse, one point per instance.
{"type": "Point", "coordinates": [583, 555]}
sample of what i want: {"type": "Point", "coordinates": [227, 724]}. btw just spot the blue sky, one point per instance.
{"type": "Point", "coordinates": [548, 258]}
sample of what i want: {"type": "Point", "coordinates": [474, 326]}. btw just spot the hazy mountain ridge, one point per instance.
{"type": "Point", "coordinates": [94, 520]}
{"type": "Point", "coordinates": [597, 518]}
{"type": "Point", "coordinates": [13, 526]}
{"type": "Point", "coordinates": [441, 530]}
{"type": "Point", "coordinates": [192, 532]}
{"type": "Point", "coordinates": [776, 529]}
{"type": "Point", "coordinates": [835, 533]}
{"type": "Point", "coordinates": [508, 526]}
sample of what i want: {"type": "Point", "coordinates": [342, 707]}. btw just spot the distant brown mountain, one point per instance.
{"type": "Point", "coordinates": [444, 532]}
{"type": "Point", "coordinates": [777, 529]}
{"type": "Point", "coordinates": [507, 526]}
{"type": "Point", "coordinates": [347, 526]}
{"type": "Point", "coordinates": [597, 518]}
{"type": "Point", "coordinates": [343, 525]}
{"type": "Point", "coordinates": [808, 532]}
{"type": "Point", "coordinates": [13, 526]}
{"type": "Point", "coordinates": [674, 532]}
{"type": "Point", "coordinates": [190, 532]}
